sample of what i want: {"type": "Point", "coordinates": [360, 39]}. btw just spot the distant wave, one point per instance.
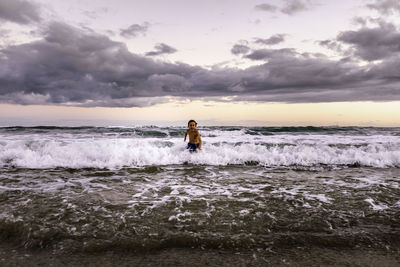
{"type": "Point", "coordinates": [172, 131]}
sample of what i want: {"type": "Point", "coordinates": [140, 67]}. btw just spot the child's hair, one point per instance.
{"type": "Point", "coordinates": [192, 121]}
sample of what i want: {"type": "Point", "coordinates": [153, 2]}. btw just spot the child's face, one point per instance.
{"type": "Point", "coordinates": [192, 125]}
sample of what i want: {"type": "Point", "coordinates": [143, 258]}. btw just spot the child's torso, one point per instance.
{"type": "Point", "coordinates": [193, 136]}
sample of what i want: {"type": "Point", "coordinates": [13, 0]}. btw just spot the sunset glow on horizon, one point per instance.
{"type": "Point", "coordinates": [386, 114]}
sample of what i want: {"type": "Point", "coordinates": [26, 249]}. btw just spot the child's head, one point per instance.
{"type": "Point", "coordinates": [192, 124]}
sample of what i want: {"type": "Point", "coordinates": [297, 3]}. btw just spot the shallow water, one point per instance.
{"type": "Point", "coordinates": [201, 206]}
{"type": "Point", "coordinates": [95, 190]}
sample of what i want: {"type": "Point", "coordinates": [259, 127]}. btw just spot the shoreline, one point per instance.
{"type": "Point", "coordinates": [299, 256]}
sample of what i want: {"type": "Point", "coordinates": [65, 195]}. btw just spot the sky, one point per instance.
{"type": "Point", "coordinates": [236, 62]}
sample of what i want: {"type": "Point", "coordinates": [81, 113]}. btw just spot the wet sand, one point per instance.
{"type": "Point", "coordinates": [315, 256]}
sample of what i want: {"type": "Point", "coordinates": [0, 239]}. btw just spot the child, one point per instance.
{"type": "Point", "coordinates": [194, 136]}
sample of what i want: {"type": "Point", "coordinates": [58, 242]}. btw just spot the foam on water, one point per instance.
{"type": "Point", "coordinates": [375, 206]}
{"type": "Point", "coordinates": [204, 206]}
{"type": "Point", "coordinates": [120, 147]}
{"type": "Point", "coordinates": [250, 188]}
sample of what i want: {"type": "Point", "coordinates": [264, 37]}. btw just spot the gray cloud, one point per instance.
{"type": "Point", "coordinates": [294, 6]}
{"type": "Point", "coordinates": [4, 33]}
{"type": "Point", "coordinates": [360, 21]}
{"type": "Point", "coordinates": [266, 7]}
{"type": "Point", "coordinates": [239, 49]}
{"type": "Point", "coordinates": [333, 45]}
{"type": "Point", "coordinates": [71, 66]}
{"type": "Point", "coordinates": [389, 73]}
{"type": "Point", "coordinates": [94, 14]}
{"type": "Point", "coordinates": [160, 49]}
{"type": "Point", "coordinates": [135, 29]}
{"type": "Point", "coordinates": [290, 7]}
{"type": "Point", "coordinates": [273, 40]}
{"type": "Point", "coordinates": [265, 54]}
{"type": "Point", "coordinates": [385, 7]}
{"type": "Point", "coordinates": [19, 11]}
{"type": "Point", "coordinates": [373, 43]}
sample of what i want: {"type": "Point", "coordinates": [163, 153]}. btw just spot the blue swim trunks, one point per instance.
{"type": "Point", "coordinates": [192, 147]}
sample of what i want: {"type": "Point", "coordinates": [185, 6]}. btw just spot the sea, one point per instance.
{"type": "Point", "coordinates": [253, 196]}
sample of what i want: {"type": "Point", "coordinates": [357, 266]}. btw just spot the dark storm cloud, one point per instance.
{"type": "Point", "coordinates": [19, 11]}
{"type": "Point", "coordinates": [386, 7]}
{"type": "Point", "coordinates": [135, 29]}
{"type": "Point", "coordinates": [273, 40]}
{"type": "Point", "coordinates": [239, 49]}
{"type": "Point", "coordinates": [389, 73]}
{"type": "Point", "coordinates": [292, 71]}
{"type": "Point", "coordinates": [160, 49]}
{"type": "Point", "coordinates": [373, 43]}
{"type": "Point", "coordinates": [71, 66]}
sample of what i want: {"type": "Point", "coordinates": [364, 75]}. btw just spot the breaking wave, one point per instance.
{"type": "Point", "coordinates": [117, 153]}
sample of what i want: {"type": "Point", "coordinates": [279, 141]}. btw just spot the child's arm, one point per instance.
{"type": "Point", "coordinates": [184, 140]}
{"type": "Point", "coordinates": [200, 142]}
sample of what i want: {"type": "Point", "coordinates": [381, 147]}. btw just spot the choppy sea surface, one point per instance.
{"type": "Point", "coordinates": [66, 189]}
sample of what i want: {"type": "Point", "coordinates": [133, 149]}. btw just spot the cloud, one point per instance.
{"type": "Point", "coordinates": [333, 45]}
{"type": "Point", "coordinates": [161, 49]}
{"type": "Point", "coordinates": [72, 66]}
{"type": "Point", "coordinates": [373, 43]}
{"type": "Point", "coordinates": [135, 29]}
{"type": "Point", "coordinates": [385, 7]}
{"type": "Point", "coordinates": [293, 72]}
{"type": "Point", "coordinates": [389, 73]}
{"type": "Point", "coordinates": [19, 11]}
{"type": "Point", "coordinates": [273, 40]}
{"type": "Point", "coordinates": [266, 7]}
{"type": "Point", "coordinates": [294, 6]}
{"type": "Point", "coordinates": [239, 49]}
{"type": "Point", "coordinates": [94, 14]}
{"type": "Point", "coordinates": [290, 7]}
{"type": "Point", "coordinates": [4, 33]}
{"type": "Point", "coordinates": [265, 54]}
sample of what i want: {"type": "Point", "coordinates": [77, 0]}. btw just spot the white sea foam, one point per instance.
{"type": "Point", "coordinates": [375, 206]}
{"type": "Point", "coordinates": [80, 150]}
{"type": "Point", "coordinates": [319, 197]}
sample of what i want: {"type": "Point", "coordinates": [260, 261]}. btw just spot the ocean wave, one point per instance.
{"type": "Point", "coordinates": [119, 152]}
{"type": "Point", "coordinates": [154, 131]}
